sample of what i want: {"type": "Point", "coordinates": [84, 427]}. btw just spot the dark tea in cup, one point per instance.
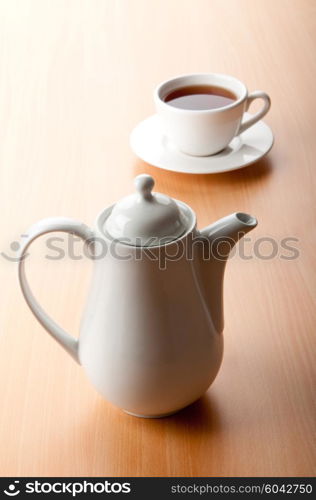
{"type": "Point", "coordinates": [200, 97]}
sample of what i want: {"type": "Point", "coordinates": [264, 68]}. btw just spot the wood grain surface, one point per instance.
{"type": "Point", "coordinates": [75, 78]}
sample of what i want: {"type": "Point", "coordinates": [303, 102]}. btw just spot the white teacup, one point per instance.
{"type": "Point", "coordinates": [208, 131]}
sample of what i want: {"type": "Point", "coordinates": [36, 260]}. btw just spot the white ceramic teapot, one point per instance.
{"type": "Point", "coordinates": [151, 335]}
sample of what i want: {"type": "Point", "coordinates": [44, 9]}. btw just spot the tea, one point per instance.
{"type": "Point", "coordinates": [200, 97]}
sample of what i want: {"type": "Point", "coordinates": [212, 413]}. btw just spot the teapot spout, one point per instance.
{"type": "Point", "coordinates": [218, 241]}
{"type": "Point", "coordinates": [229, 230]}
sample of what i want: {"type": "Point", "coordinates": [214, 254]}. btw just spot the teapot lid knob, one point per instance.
{"type": "Point", "coordinates": [144, 185]}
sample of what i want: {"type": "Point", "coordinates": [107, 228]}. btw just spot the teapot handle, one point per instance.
{"type": "Point", "coordinates": [63, 224]}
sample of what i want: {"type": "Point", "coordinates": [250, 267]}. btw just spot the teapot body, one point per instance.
{"type": "Point", "coordinates": [147, 340]}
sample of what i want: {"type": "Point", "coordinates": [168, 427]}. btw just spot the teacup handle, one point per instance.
{"type": "Point", "coordinates": [69, 343]}
{"type": "Point", "coordinates": [257, 94]}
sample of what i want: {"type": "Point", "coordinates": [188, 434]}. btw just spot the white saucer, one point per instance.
{"type": "Point", "coordinates": [148, 143]}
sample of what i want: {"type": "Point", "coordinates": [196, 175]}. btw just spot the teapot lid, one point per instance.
{"type": "Point", "coordinates": [146, 218]}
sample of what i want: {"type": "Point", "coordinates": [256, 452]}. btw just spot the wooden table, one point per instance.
{"type": "Point", "coordinates": [76, 77]}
